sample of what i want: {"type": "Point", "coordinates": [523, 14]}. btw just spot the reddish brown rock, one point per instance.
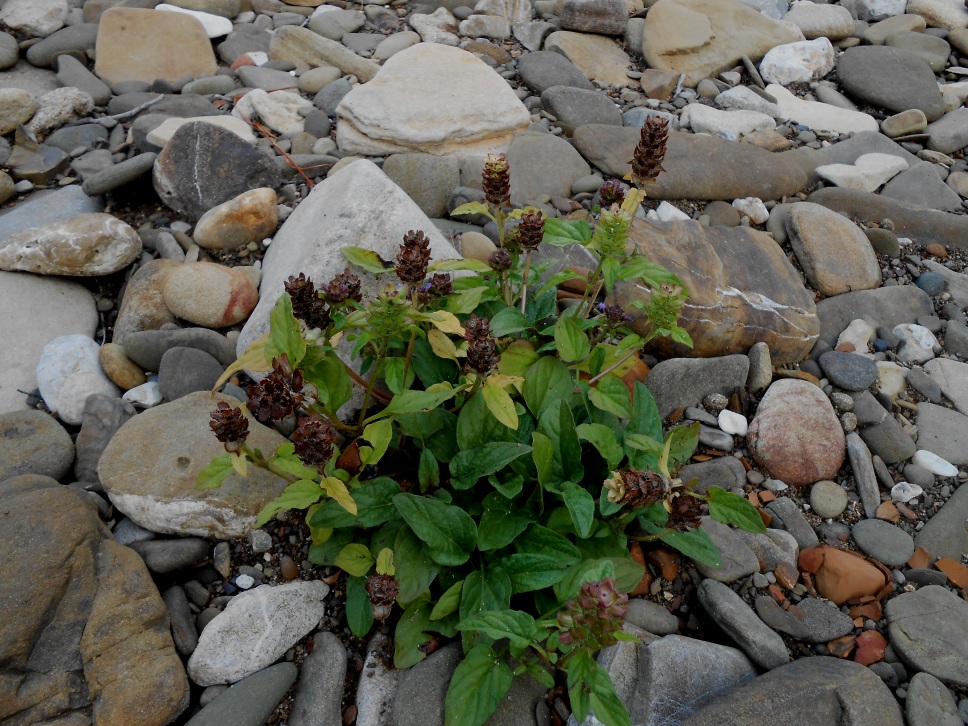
{"type": "Point", "coordinates": [796, 434]}
{"type": "Point", "coordinates": [871, 647]}
{"type": "Point", "coordinates": [742, 290]}
{"type": "Point", "coordinates": [143, 305]}
{"type": "Point", "coordinates": [840, 575]}
{"type": "Point", "coordinates": [209, 295]}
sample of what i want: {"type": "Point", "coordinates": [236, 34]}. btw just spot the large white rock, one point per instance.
{"type": "Point", "coordinates": [278, 110]}
{"type": "Point", "coordinates": [820, 116]}
{"type": "Point", "coordinates": [68, 372]}
{"type": "Point", "coordinates": [39, 18]}
{"type": "Point", "coordinates": [255, 629]}
{"type": "Point", "coordinates": [431, 98]}
{"type": "Point", "coordinates": [868, 173]}
{"type": "Point", "coordinates": [36, 310]}
{"type": "Point", "coordinates": [439, 27]}
{"type": "Point", "coordinates": [358, 205]}
{"type": "Point", "coordinates": [872, 11]}
{"type": "Point", "coordinates": [816, 20]}
{"type": "Point", "coordinates": [947, 14]}
{"type": "Point", "coordinates": [800, 62]}
{"type": "Point", "coordinates": [215, 25]}
{"type": "Point", "coordinates": [743, 99]}
{"type": "Point", "coordinates": [730, 125]}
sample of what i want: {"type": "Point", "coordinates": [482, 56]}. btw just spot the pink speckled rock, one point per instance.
{"type": "Point", "coordinates": [210, 295]}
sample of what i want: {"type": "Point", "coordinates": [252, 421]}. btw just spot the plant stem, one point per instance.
{"type": "Point", "coordinates": [595, 275]}
{"type": "Point", "coordinates": [524, 283]}
{"type": "Point", "coordinates": [413, 336]}
{"type": "Point", "coordinates": [256, 458]}
{"type": "Point", "coordinates": [361, 382]}
{"type": "Point", "coordinates": [616, 364]}
{"type": "Point", "coordinates": [651, 537]}
{"type": "Point", "coordinates": [372, 382]}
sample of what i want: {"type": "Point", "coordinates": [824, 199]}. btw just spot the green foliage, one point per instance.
{"type": "Point", "coordinates": [513, 459]}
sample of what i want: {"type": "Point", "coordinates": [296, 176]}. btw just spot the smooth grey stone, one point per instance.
{"type": "Point", "coordinates": [33, 442]}
{"type": "Point", "coordinates": [822, 621]}
{"type": "Point", "coordinates": [635, 118]}
{"type": "Point", "coordinates": [883, 541]}
{"type": "Point", "coordinates": [949, 133]}
{"type": "Point", "coordinates": [182, 621]}
{"type": "Point", "coordinates": [251, 701]}
{"type": "Point", "coordinates": [818, 690]}
{"type": "Point", "coordinates": [91, 163]}
{"type": "Point", "coordinates": [126, 532]}
{"type": "Point", "coordinates": [847, 370]}
{"type": "Point", "coordinates": [46, 208]}
{"type": "Point", "coordinates": [167, 555]}
{"type": "Point", "coordinates": [943, 432]}
{"type": "Point", "coordinates": [945, 535]}
{"type": "Point", "coordinates": [420, 694]}
{"type": "Point", "coordinates": [924, 384]}
{"type": "Point", "coordinates": [715, 439]}
{"type": "Point", "coordinates": [680, 382]}
{"type": "Point", "coordinates": [574, 107]}
{"type": "Point", "coordinates": [884, 241]}
{"type": "Point", "coordinates": [328, 99]}
{"type": "Point", "coordinates": [651, 617]}
{"type": "Point", "coordinates": [931, 282]}
{"type": "Point", "coordinates": [918, 475]}
{"type": "Point", "coordinates": [956, 338]}
{"type": "Point", "coordinates": [320, 687]}
{"type": "Point", "coordinates": [210, 86]}
{"type": "Point", "coordinates": [71, 72]}
{"type": "Point", "coordinates": [881, 432]}
{"type": "Point", "coordinates": [73, 38]}
{"type": "Point", "coordinates": [187, 370]}
{"type": "Point", "coordinates": [9, 51]}
{"type": "Point", "coordinates": [740, 623]}
{"type": "Point", "coordinates": [694, 413]}
{"type": "Point", "coordinates": [934, 51]}
{"type": "Point", "coordinates": [920, 185]}
{"type": "Point", "coordinates": [722, 214]}
{"type": "Point", "coordinates": [100, 420]}
{"type": "Point", "coordinates": [890, 78]}
{"type": "Point", "coordinates": [185, 105]}
{"type": "Point", "coordinates": [266, 78]}
{"type": "Point", "coordinates": [922, 576]}
{"type": "Point", "coordinates": [884, 306]}
{"type": "Point", "coordinates": [318, 123]}
{"type": "Point", "coordinates": [787, 516]}
{"type": "Point", "coordinates": [929, 703]}
{"type": "Point", "coordinates": [243, 39]}
{"type": "Point", "coordinates": [146, 347]}
{"type": "Point", "coordinates": [886, 673]}
{"type": "Point", "coordinates": [772, 548]}
{"type": "Point", "coordinates": [927, 629]}
{"type": "Point", "coordinates": [862, 464]}
{"type": "Point", "coordinates": [68, 138]}
{"type": "Point", "coordinates": [544, 69]}
{"type": "Point", "coordinates": [725, 471]}
{"type": "Point", "coordinates": [736, 559]}
{"type": "Point", "coordinates": [427, 179]}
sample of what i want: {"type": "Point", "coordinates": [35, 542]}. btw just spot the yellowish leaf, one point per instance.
{"type": "Point", "coordinates": [254, 359]}
{"type": "Point", "coordinates": [500, 405]}
{"type": "Point", "coordinates": [384, 562]}
{"type": "Point", "coordinates": [445, 322]}
{"type": "Point", "coordinates": [338, 491]}
{"type": "Point", "coordinates": [442, 346]}
{"type": "Point", "coordinates": [240, 463]}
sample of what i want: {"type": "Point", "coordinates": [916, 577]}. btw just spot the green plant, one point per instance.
{"type": "Point", "coordinates": [502, 466]}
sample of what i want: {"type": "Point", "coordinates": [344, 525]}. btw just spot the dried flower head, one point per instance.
{"type": "Point", "coordinates": [635, 488]}
{"type": "Point", "coordinates": [278, 394]}
{"type": "Point", "coordinates": [307, 306]}
{"type": "Point", "coordinates": [314, 438]}
{"type": "Point", "coordinates": [482, 355]}
{"type": "Point", "coordinates": [413, 258]}
{"type": "Point", "coordinates": [345, 286]}
{"type": "Point", "coordinates": [594, 616]}
{"type": "Point", "coordinates": [231, 427]}
{"type": "Point", "coordinates": [651, 150]}
{"type": "Point", "coordinates": [614, 314]}
{"type": "Point", "coordinates": [496, 181]}
{"type": "Point", "coordinates": [611, 192]}
{"type": "Point", "coordinates": [530, 230]}
{"type": "Point", "coordinates": [439, 285]}
{"type": "Point", "coordinates": [499, 260]}
{"type": "Point", "coordinates": [685, 511]}
{"type": "Point", "coordinates": [382, 589]}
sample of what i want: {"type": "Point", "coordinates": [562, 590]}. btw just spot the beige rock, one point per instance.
{"type": "Point", "coordinates": [476, 246]}
{"type": "Point", "coordinates": [250, 217]}
{"type": "Point", "coordinates": [947, 14]}
{"type": "Point", "coordinates": [38, 18]}
{"type": "Point", "coordinates": [600, 59]}
{"type": "Point", "coordinates": [836, 256]}
{"type": "Point", "coordinates": [84, 245]}
{"type": "Point", "coordinates": [16, 107]}
{"type": "Point", "coordinates": [161, 134]}
{"type": "Point", "coordinates": [143, 305]}
{"type": "Point", "coordinates": [878, 32]}
{"type": "Point", "coordinates": [402, 109]}
{"type": "Point", "coordinates": [303, 46]}
{"type": "Point", "coordinates": [7, 189]}
{"type": "Point", "coordinates": [679, 41]}
{"type": "Point", "coordinates": [145, 45]}
{"type": "Point", "coordinates": [209, 295]}
{"type": "Point", "coordinates": [278, 110]}
{"type": "Point", "coordinates": [119, 368]}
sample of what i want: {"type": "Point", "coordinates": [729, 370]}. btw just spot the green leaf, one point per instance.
{"type": "Point", "coordinates": [556, 279]}
{"type": "Point", "coordinates": [610, 270]}
{"type": "Point", "coordinates": [649, 273]}
{"type": "Point", "coordinates": [285, 460]}
{"type": "Point", "coordinates": [516, 626]}
{"type": "Point", "coordinates": [541, 559]}
{"type": "Point", "coordinates": [500, 405]}
{"type": "Point", "coordinates": [471, 208]}
{"type": "Point", "coordinates": [501, 522]}
{"type": "Point", "coordinates": [359, 609]}
{"type": "Point", "coordinates": [415, 401]}
{"type": "Point", "coordinates": [214, 472]}
{"type": "Point", "coordinates": [374, 506]}
{"type": "Point", "coordinates": [612, 396]}
{"type": "Point", "coordinates": [508, 322]}
{"type": "Point", "coordinates": [476, 425]}
{"type": "Point", "coordinates": [680, 335]}
{"type": "Point", "coordinates": [298, 495]}
{"type": "Point", "coordinates": [415, 570]}
{"type": "Point", "coordinates": [327, 372]}
{"type": "Point", "coordinates": [367, 259]}
{"type": "Point", "coordinates": [470, 465]}
{"type": "Point", "coordinates": [479, 684]}
{"type": "Point", "coordinates": [558, 425]}
{"type": "Point", "coordinates": [428, 470]}
{"type": "Point", "coordinates": [571, 340]}
{"type": "Point", "coordinates": [731, 508]}
{"type": "Point", "coordinates": [543, 453]}
{"type": "Point", "coordinates": [581, 506]}
{"type": "Point", "coordinates": [626, 571]}
{"type": "Point", "coordinates": [509, 485]}
{"type": "Point", "coordinates": [485, 591]}
{"type": "Point", "coordinates": [517, 358]}
{"type": "Point", "coordinates": [448, 531]}
{"type": "Point", "coordinates": [562, 234]}
{"type": "Point", "coordinates": [579, 668]}
{"type": "Point", "coordinates": [324, 553]}
{"type": "Point", "coordinates": [603, 439]}
{"type": "Point", "coordinates": [641, 442]}
{"type": "Point", "coordinates": [411, 634]}
{"type": "Point", "coordinates": [430, 367]}
{"type": "Point", "coordinates": [379, 434]}
{"type": "Point", "coordinates": [646, 421]}
{"type": "Point", "coordinates": [285, 335]}
{"type": "Point", "coordinates": [393, 375]}
{"type": "Point", "coordinates": [354, 559]}
{"type": "Point", "coordinates": [384, 561]}
{"type": "Point", "coordinates": [449, 602]}
{"type": "Point", "coordinates": [546, 382]}
{"type": "Point", "coordinates": [682, 442]}
{"type": "Point", "coordinates": [695, 544]}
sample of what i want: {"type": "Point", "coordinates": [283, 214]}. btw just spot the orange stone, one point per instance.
{"type": "Point", "coordinates": [841, 647]}
{"type": "Point", "coordinates": [666, 560]}
{"type": "Point", "coordinates": [787, 575]}
{"type": "Point", "coordinates": [920, 559]}
{"type": "Point", "coordinates": [956, 572]}
{"type": "Point", "coordinates": [844, 576]}
{"type": "Point", "coordinates": [638, 372]}
{"type": "Point", "coordinates": [907, 512]}
{"type": "Point", "coordinates": [870, 611]}
{"type": "Point", "coordinates": [753, 499]}
{"type": "Point", "coordinates": [811, 559]}
{"type": "Point", "coordinates": [871, 646]}
{"type": "Point", "coordinates": [766, 496]}
{"type": "Point", "coordinates": [936, 250]}
{"type": "Point", "coordinates": [888, 511]}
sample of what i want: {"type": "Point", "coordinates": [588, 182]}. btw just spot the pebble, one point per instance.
{"type": "Point", "coordinates": [934, 464]}
{"type": "Point", "coordinates": [828, 499]}
{"type": "Point", "coordinates": [905, 491]}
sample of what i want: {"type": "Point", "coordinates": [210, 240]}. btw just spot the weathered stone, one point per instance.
{"type": "Point", "coordinates": [301, 45]}
{"type": "Point", "coordinates": [599, 58]}
{"type": "Point", "coordinates": [926, 630]}
{"type": "Point", "coordinates": [32, 442]}
{"type": "Point", "coordinates": [143, 305]}
{"type": "Point", "coordinates": [890, 78]}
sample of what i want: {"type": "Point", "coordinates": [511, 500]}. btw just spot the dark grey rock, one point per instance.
{"type": "Point", "coordinates": [884, 306]}
{"type": "Point", "coordinates": [736, 559]}
{"type": "Point", "coordinates": [890, 78]}
{"type": "Point", "coordinates": [884, 241]}
{"type": "Point", "coordinates": [520, 705]}
{"type": "Point", "coordinates": [127, 532]}
{"type": "Point", "coordinates": [328, 99]}
{"type": "Point", "coordinates": [46, 208]}
{"type": "Point", "coordinates": [726, 472]}
{"type": "Point", "coordinates": [267, 79]}
{"type": "Point", "coordinates": [167, 555]}
{"type": "Point", "coordinates": [574, 107]}
{"type": "Point", "coordinates": [545, 69]}
{"type": "Point", "coordinates": [924, 384]}
{"type": "Point", "coordinates": [820, 690]}
{"type": "Point", "coordinates": [118, 175]}
{"type": "Point", "coordinates": [927, 629]}
{"type": "Point", "coordinates": [883, 434]}
{"type": "Point", "coordinates": [651, 617]}
{"type": "Point", "coordinates": [883, 541]}
{"type": "Point", "coordinates": [71, 72]}
{"type": "Point", "coordinates": [956, 338]}
{"type": "Point", "coordinates": [320, 688]}
{"type": "Point", "coordinates": [739, 622]}
{"type": "Point", "coordinates": [100, 420]}
{"type": "Point", "coordinates": [420, 694]}
{"type": "Point", "coordinates": [922, 576]}
{"type": "Point", "coordinates": [849, 371]}
{"type": "Point", "coordinates": [772, 548]}
{"type": "Point", "coordinates": [945, 535]}
{"type": "Point", "coordinates": [68, 138]}
{"type": "Point", "coordinates": [182, 621]}
{"type": "Point", "coordinates": [929, 703]}
{"type": "Point", "coordinates": [943, 432]}
{"type": "Point", "coordinates": [862, 465]}
{"type": "Point", "coordinates": [680, 382]}
{"type": "Point", "coordinates": [74, 38]}
{"type": "Point", "coordinates": [251, 701]}
{"type": "Point", "coordinates": [934, 51]}
{"type": "Point", "coordinates": [818, 621]}
{"type": "Point", "coordinates": [787, 516]}
{"type": "Point", "coordinates": [33, 442]}
{"type": "Point", "coordinates": [922, 186]}
{"type": "Point", "coordinates": [548, 165]}
{"type": "Point", "coordinates": [186, 370]}
{"type": "Point", "coordinates": [204, 165]}
{"type": "Point", "coordinates": [427, 179]}
{"type": "Point", "coordinates": [182, 105]}
{"type": "Point", "coordinates": [950, 132]}
{"type": "Point", "coordinates": [243, 39]}
{"type": "Point", "coordinates": [917, 475]}
{"type": "Point", "coordinates": [931, 282]}
{"type": "Point", "coordinates": [146, 347]}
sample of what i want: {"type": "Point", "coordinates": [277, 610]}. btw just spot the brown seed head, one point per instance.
{"type": "Point", "coordinates": [496, 181]}
{"type": "Point", "coordinates": [314, 438]}
{"type": "Point", "coordinates": [307, 306]}
{"type": "Point", "coordinates": [231, 427]}
{"type": "Point", "coordinates": [651, 150]}
{"type": "Point", "coordinates": [499, 260]}
{"type": "Point", "coordinates": [345, 286]}
{"type": "Point", "coordinates": [530, 230]}
{"type": "Point", "coordinates": [413, 258]}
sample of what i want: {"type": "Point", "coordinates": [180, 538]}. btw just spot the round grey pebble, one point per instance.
{"type": "Point", "coordinates": [9, 51]}
{"type": "Point", "coordinates": [828, 499]}
{"type": "Point", "coordinates": [849, 371]}
{"type": "Point", "coordinates": [917, 474]}
{"type": "Point", "coordinates": [931, 282]}
{"type": "Point", "coordinates": [651, 617]}
{"type": "Point", "coordinates": [883, 541]}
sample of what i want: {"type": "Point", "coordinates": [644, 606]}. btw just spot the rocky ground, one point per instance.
{"type": "Point", "coordinates": [166, 167]}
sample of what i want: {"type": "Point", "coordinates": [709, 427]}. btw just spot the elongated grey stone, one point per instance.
{"type": "Point", "coordinates": [300, 45]}
{"type": "Point", "coordinates": [862, 463]}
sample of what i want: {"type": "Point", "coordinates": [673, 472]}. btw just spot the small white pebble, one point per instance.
{"type": "Point", "coordinates": [934, 463]}
{"type": "Point", "coordinates": [244, 582]}
{"type": "Point", "coordinates": [905, 491]}
{"type": "Point", "coordinates": [146, 395]}
{"type": "Point", "coordinates": [733, 423]}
